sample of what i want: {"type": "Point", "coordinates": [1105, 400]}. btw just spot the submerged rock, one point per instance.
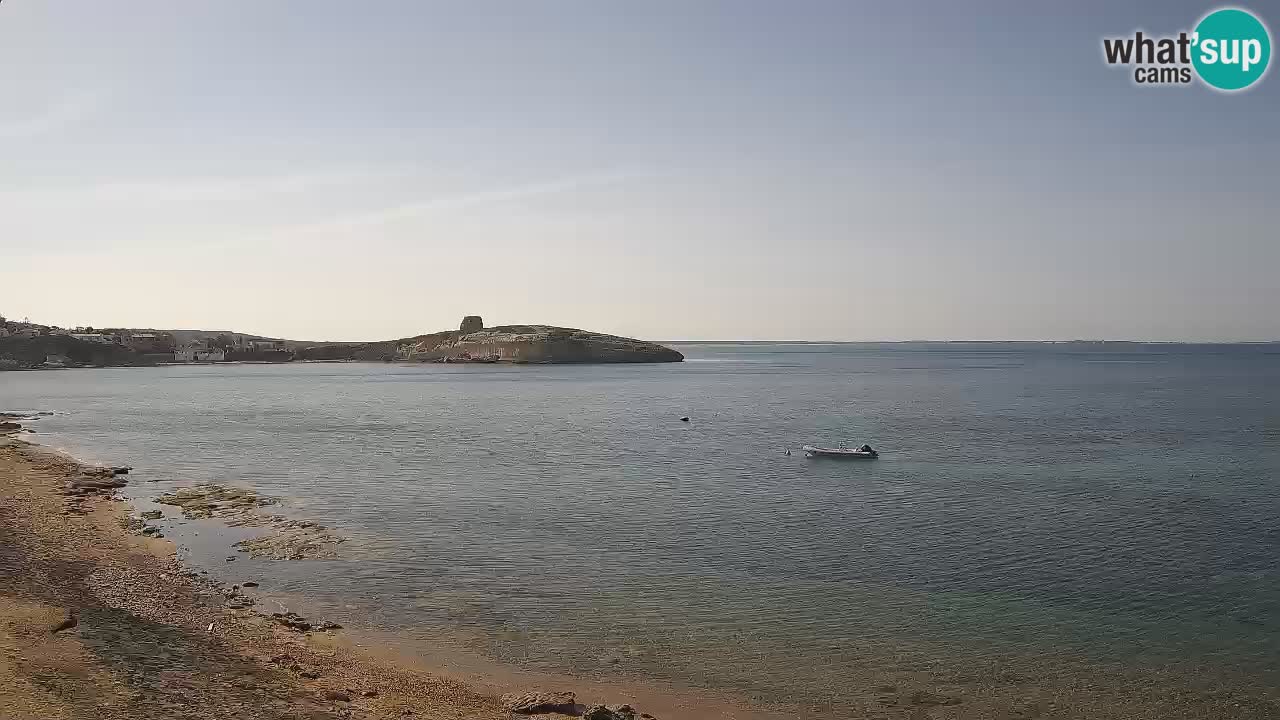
{"type": "Point", "coordinates": [292, 540]}
{"type": "Point", "coordinates": [239, 507]}
{"type": "Point", "coordinates": [220, 501]}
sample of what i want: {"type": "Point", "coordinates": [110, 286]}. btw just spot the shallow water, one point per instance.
{"type": "Point", "coordinates": [1108, 507]}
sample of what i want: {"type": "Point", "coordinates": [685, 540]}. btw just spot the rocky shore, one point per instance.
{"type": "Point", "coordinates": [283, 538]}
{"type": "Point", "coordinates": [98, 619]}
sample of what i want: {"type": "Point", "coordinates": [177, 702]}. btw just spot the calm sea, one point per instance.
{"type": "Point", "coordinates": [1047, 507]}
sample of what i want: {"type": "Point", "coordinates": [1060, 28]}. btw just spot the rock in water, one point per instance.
{"type": "Point", "coordinates": [293, 621]}
{"type": "Point", "coordinates": [600, 712]}
{"type": "Point", "coordinates": [470, 324]}
{"type": "Point", "coordinates": [532, 703]}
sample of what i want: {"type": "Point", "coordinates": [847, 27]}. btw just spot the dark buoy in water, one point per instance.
{"type": "Point", "coordinates": [788, 452]}
{"type": "Point", "coordinates": [684, 419]}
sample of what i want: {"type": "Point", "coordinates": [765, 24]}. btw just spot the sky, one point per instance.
{"type": "Point", "coordinates": [667, 170]}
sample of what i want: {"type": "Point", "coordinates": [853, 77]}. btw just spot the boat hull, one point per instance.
{"type": "Point", "coordinates": [841, 453]}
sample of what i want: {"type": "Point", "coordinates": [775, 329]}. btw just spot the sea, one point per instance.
{"type": "Point", "coordinates": [1044, 520]}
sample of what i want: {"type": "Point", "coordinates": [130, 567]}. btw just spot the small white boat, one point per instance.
{"type": "Point", "coordinates": [863, 453]}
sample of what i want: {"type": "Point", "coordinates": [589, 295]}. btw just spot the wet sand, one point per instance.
{"type": "Point", "coordinates": [98, 621]}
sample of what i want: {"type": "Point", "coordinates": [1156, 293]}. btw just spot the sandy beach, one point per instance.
{"type": "Point", "coordinates": [98, 621]}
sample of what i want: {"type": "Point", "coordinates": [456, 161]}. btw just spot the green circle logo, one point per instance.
{"type": "Point", "coordinates": [1232, 49]}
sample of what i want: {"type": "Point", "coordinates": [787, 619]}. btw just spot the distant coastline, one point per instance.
{"type": "Point", "coordinates": [27, 346]}
{"type": "Point", "coordinates": [31, 346]}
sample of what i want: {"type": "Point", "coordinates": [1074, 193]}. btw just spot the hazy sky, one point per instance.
{"type": "Point", "coordinates": [669, 170]}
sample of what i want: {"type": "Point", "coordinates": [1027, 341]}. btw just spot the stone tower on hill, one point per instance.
{"type": "Point", "coordinates": [471, 323]}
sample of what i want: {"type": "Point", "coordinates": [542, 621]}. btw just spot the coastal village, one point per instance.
{"type": "Point", "coordinates": [151, 346]}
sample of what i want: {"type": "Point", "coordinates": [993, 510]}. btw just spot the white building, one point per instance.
{"type": "Point", "coordinates": [198, 353]}
{"type": "Point", "coordinates": [93, 337]}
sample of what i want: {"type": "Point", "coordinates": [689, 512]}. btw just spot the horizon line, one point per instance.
{"type": "Point", "coordinates": [989, 341]}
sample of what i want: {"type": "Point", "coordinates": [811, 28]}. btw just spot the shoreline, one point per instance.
{"type": "Point", "coordinates": [99, 620]}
